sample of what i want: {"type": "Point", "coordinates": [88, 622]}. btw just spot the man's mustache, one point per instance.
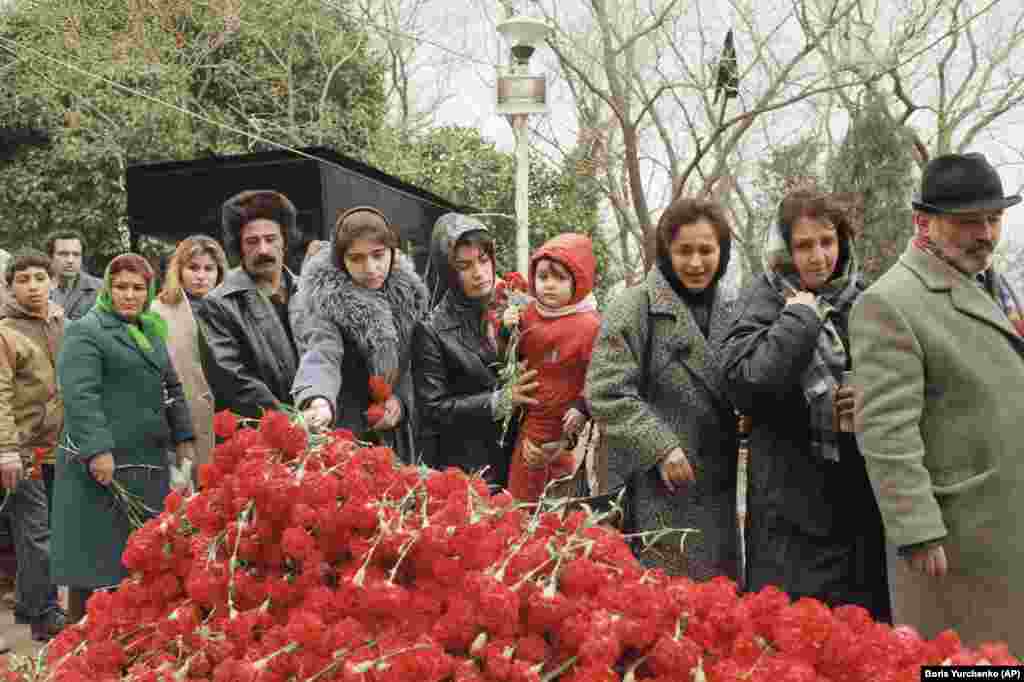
{"type": "Point", "coordinates": [264, 260]}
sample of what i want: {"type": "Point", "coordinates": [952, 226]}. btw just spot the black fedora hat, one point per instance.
{"type": "Point", "coordinates": [961, 183]}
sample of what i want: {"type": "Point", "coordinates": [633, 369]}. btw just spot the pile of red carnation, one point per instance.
{"type": "Point", "coordinates": [323, 561]}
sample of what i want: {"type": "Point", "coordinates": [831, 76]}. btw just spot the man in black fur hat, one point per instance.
{"type": "Point", "coordinates": [247, 346]}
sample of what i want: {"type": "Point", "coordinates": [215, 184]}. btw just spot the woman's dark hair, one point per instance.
{"type": "Point", "coordinates": [25, 259]}
{"type": "Point", "coordinates": [478, 238]}
{"type": "Point", "coordinates": [805, 203]}
{"type": "Point", "coordinates": [51, 239]}
{"type": "Point", "coordinates": [687, 211]}
{"type": "Point", "coordinates": [362, 222]}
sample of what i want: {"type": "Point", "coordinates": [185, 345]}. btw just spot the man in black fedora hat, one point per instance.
{"type": "Point", "coordinates": [938, 357]}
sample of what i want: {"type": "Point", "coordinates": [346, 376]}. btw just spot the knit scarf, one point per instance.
{"type": "Point", "coordinates": [820, 378]}
{"type": "Point", "coordinates": [587, 305]}
{"type": "Point", "coordinates": [149, 325]}
{"type": "Point", "coordinates": [991, 281]}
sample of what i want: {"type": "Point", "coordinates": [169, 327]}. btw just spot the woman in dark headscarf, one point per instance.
{"type": "Point", "coordinates": [654, 386]}
{"type": "Point", "coordinates": [456, 364]}
{"type": "Point", "coordinates": [814, 526]}
{"type": "Point", "coordinates": [123, 407]}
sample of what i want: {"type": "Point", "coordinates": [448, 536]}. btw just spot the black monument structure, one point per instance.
{"type": "Point", "coordinates": [172, 200]}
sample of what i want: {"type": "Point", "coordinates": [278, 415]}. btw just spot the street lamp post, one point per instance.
{"type": "Point", "coordinates": [518, 95]}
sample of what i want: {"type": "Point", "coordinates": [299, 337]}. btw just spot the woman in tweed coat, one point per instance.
{"type": "Point", "coordinates": [654, 385]}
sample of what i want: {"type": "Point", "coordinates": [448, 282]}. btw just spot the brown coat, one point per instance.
{"type": "Point", "coordinates": [31, 410]}
{"type": "Point", "coordinates": [943, 376]}
{"type": "Point", "coordinates": [183, 347]}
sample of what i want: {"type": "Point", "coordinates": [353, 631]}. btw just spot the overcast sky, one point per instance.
{"type": "Point", "coordinates": [467, 27]}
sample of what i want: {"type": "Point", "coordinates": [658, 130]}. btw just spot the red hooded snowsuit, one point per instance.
{"type": "Point", "coordinates": [559, 349]}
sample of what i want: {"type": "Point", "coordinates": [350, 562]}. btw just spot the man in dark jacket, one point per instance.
{"type": "Point", "coordinates": [455, 368]}
{"type": "Point", "coordinates": [246, 342]}
{"type": "Point", "coordinates": [75, 289]}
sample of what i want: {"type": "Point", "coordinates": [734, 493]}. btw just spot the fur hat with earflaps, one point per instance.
{"type": "Point", "coordinates": [257, 204]}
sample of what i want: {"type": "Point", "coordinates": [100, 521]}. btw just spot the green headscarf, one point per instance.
{"type": "Point", "coordinates": [150, 323]}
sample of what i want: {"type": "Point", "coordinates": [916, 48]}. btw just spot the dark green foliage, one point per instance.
{"type": "Point", "coordinates": [875, 163]}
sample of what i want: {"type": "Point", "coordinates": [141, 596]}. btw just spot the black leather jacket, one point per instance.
{"type": "Point", "coordinates": [456, 374]}
{"type": "Point", "coordinates": [248, 355]}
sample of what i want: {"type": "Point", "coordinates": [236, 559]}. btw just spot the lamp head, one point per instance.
{"type": "Point", "coordinates": [523, 34]}
{"type": "Point", "coordinates": [522, 53]}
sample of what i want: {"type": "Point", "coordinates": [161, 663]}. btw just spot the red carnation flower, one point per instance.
{"type": "Point", "coordinates": [516, 282]}
{"type": "Point", "coordinates": [173, 501]}
{"type": "Point", "coordinates": [225, 423]}
{"type": "Point", "coordinates": [380, 389]}
{"type": "Point", "coordinates": [374, 414]}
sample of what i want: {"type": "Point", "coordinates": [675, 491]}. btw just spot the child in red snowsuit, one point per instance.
{"type": "Point", "coordinates": [557, 332]}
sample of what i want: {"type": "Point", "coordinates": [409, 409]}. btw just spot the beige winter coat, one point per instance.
{"type": "Point", "coordinates": [943, 376]}
{"type": "Point", "coordinates": [183, 347]}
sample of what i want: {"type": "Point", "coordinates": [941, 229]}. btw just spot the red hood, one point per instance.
{"type": "Point", "coordinates": [574, 251]}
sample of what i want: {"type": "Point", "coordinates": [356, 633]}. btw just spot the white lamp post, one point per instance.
{"type": "Point", "coordinates": [518, 95]}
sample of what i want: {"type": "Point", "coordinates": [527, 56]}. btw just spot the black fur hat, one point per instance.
{"type": "Point", "coordinates": [251, 205]}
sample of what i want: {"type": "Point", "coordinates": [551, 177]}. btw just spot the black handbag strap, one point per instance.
{"type": "Point", "coordinates": [648, 354]}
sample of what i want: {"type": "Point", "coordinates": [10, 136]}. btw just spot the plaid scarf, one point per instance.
{"type": "Point", "coordinates": [821, 376]}
{"type": "Point", "coordinates": [991, 281]}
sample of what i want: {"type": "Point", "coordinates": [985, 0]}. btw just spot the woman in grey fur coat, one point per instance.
{"type": "Point", "coordinates": [654, 386]}
{"type": "Point", "coordinates": [358, 302]}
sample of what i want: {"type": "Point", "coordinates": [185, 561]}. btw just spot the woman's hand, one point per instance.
{"type": "Point", "coordinates": [846, 405]}
{"type": "Point", "coordinates": [102, 468]}
{"type": "Point", "coordinates": [392, 415]}
{"type": "Point", "coordinates": [510, 318]}
{"type": "Point", "coordinates": [573, 422]}
{"type": "Point", "coordinates": [185, 450]}
{"type": "Point", "coordinates": [675, 470]}
{"type": "Point", "coordinates": [11, 470]}
{"type": "Point", "coordinates": [520, 392]}
{"type": "Point", "coordinates": [318, 414]}
{"type": "Point", "coordinates": [930, 561]}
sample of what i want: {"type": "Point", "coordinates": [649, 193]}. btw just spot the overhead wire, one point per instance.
{"type": "Point", "coordinates": [7, 42]}
{"type": "Point", "coordinates": [13, 48]}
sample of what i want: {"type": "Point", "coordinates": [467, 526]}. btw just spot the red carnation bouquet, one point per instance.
{"type": "Point", "coordinates": [512, 291]}
{"type": "Point", "coordinates": [332, 562]}
{"type": "Point", "coordinates": [35, 472]}
{"type": "Point", "coordinates": [380, 392]}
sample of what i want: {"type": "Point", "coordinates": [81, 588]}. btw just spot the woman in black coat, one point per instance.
{"type": "Point", "coordinates": [455, 369]}
{"type": "Point", "coordinates": [814, 526]}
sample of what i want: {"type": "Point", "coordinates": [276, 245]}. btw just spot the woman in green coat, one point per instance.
{"type": "Point", "coordinates": [124, 406]}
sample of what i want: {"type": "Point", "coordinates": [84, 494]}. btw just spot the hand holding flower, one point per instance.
{"type": "Point", "coordinates": [573, 422]}
{"type": "Point", "coordinates": [102, 468]}
{"type": "Point", "coordinates": [510, 318]}
{"type": "Point", "coordinates": [318, 414]}
{"type": "Point", "coordinates": [389, 413]}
